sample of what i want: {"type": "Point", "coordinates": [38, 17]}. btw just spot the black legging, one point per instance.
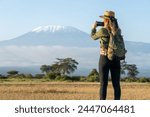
{"type": "Point", "coordinates": [114, 66]}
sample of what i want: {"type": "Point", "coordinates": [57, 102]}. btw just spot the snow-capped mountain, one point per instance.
{"type": "Point", "coordinates": [50, 28]}
{"type": "Point", "coordinates": [52, 35]}
{"type": "Point", "coordinates": [55, 28]}
{"type": "Point", "coordinates": [44, 44]}
{"type": "Point", "coordinates": [56, 35]}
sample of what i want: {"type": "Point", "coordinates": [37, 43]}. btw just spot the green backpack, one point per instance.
{"type": "Point", "coordinates": [116, 46]}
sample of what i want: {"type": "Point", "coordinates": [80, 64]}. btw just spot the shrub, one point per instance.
{"type": "Point", "coordinates": [39, 76]}
{"type": "Point", "coordinates": [92, 79]}
{"type": "Point", "coordinates": [59, 78]}
{"type": "Point", "coordinates": [75, 78]}
{"type": "Point", "coordinates": [143, 80]}
{"type": "Point", "coordinates": [3, 77]}
{"type": "Point", "coordinates": [128, 79]}
{"type": "Point", "coordinates": [63, 78]}
{"type": "Point", "coordinates": [83, 79]}
{"type": "Point", "coordinates": [122, 79]}
{"type": "Point", "coordinates": [51, 76]}
{"type": "Point", "coordinates": [93, 76]}
{"type": "Point", "coordinates": [29, 76]}
{"type": "Point", "coordinates": [20, 76]}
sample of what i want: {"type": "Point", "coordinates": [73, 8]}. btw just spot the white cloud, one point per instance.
{"type": "Point", "coordinates": [140, 59]}
{"type": "Point", "coordinates": [38, 55]}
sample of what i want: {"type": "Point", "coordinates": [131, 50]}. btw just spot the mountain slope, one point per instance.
{"type": "Point", "coordinates": [138, 47]}
{"type": "Point", "coordinates": [52, 35]}
{"type": "Point", "coordinates": [65, 36]}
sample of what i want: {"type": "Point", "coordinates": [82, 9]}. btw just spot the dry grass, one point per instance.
{"type": "Point", "coordinates": [70, 91]}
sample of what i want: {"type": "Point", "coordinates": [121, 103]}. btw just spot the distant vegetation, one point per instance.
{"type": "Point", "coordinates": [62, 69]}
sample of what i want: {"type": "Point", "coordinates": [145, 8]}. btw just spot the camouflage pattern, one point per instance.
{"type": "Point", "coordinates": [111, 45]}
{"type": "Point", "coordinates": [103, 35]}
{"type": "Point", "coordinates": [116, 48]}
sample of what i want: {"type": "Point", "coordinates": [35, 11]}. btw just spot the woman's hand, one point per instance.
{"type": "Point", "coordinates": [94, 25]}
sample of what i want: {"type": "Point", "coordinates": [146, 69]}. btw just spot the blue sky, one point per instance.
{"type": "Point", "coordinates": [20, 16]}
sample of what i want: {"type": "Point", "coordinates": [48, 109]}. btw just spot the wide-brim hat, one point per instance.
{"type": "Point", "coordinates": [108, 14]}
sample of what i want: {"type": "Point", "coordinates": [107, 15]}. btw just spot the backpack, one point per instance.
{"type": "Point", "coordinates": [116, 46]}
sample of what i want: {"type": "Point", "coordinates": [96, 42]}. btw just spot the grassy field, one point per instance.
{"type": "Point", "coordinates": [69, 91]}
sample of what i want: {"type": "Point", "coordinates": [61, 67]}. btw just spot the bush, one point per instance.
{"type": "Point", "coordinates": [75, 78]}
{"type": "Point", "coordinates": [83, 79]}
{"type": "Point", "coordinates": [39, 76]}
{"type": "Point", "coordinates": [59, 78]}
{"type": "Point", "coordinates": [51, 76]}
{"type": "Point", "coordinates": [143, 80]}
{"type": "Point", "coordinates": [20, 76]}
{"type": "Point", "coordinates": [3, 77]}
{"type": "Point", "coordinates": [63, 78]}
{"type": "Point", "coordinates": [130, 79]}
{"type": "Point", "coordinates": [148, 79]}
{"type": "Point", "coordinates": [92, 79]}
{"type": "Point", "coordinates": [93, 76]}
{"type": "Point", "coordinates": [122, 79]}
{"type": "Point", "coordinates": [29, 76]}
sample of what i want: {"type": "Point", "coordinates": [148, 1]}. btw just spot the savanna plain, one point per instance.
{"type": "Point", "coordinates": [69, 91]}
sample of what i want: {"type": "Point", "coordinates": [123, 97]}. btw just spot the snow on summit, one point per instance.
{"type": "Point", "coordinates": [54, 28]}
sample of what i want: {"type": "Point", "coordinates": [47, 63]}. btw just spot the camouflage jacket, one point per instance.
{"type": "Point", "coordinates": [104, 36]}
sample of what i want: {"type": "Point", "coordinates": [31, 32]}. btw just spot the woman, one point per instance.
{"type": "Point", "coordinates": [110, 25]}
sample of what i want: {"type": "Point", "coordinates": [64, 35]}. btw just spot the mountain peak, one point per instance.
{"type": "Point", "coordinates": [54, 28]}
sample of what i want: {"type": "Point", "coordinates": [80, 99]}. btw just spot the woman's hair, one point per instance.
{"type": "Point", "coordinates": [113, 24]}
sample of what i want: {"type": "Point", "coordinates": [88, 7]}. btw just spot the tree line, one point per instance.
{"type": "Point", "coordinates": [62, 69]}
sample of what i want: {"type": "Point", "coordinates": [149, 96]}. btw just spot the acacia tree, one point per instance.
{"type": "Point", "coordinates": [12, 72]}
{"type": "Point", "coordinates": [45, 68]}
{"type": "Point", "coordinates": [93, 72]}
{"type": "Point", "coordinates": [132, 70]}
{"type": "Point", "coordinates": [93, 76]}
{"type": "Point", "coordinates": [123, 67]}
{"type": "Point", "coordinates": [64, 66]}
